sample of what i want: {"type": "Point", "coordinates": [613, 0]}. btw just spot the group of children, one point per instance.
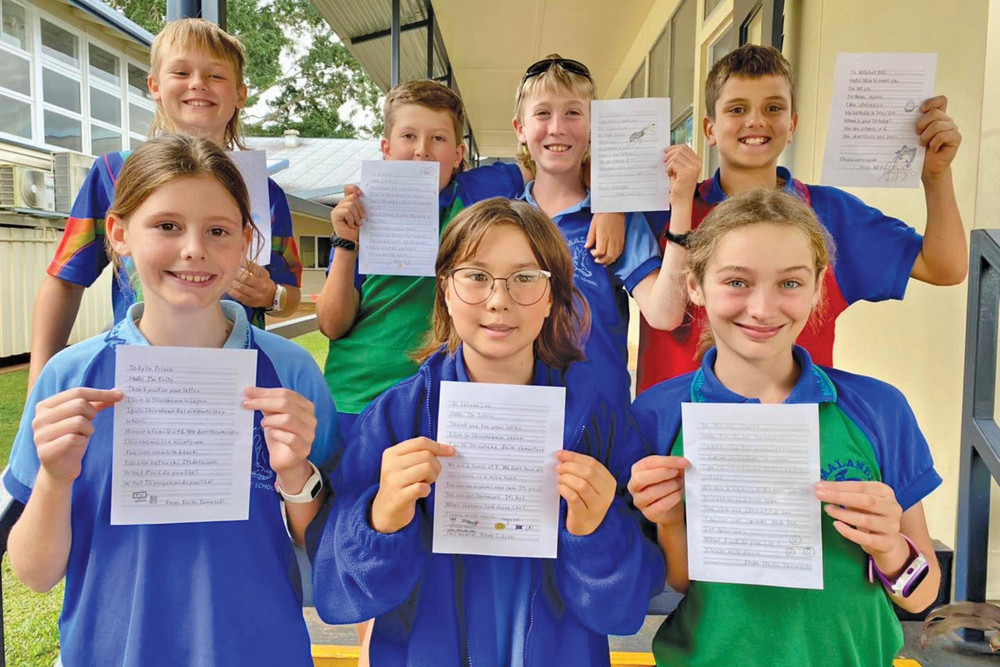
{"type": "Point", "coordinates": [727, 301]}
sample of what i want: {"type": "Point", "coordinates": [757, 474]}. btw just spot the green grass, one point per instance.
{"type": "Point", "coordinates": [31, 620]}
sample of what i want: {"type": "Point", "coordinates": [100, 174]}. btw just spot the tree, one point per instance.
{"type": "Point", "coordinates": [310, 82]}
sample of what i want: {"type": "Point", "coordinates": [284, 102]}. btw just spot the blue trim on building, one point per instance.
{"type": "Point", "coordinates": [107, 15]}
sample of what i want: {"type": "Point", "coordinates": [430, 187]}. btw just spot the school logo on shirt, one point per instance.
{"type": "Point", "coordinates": [582, 260]}
{"type": "Point", "coordinates": [847, 470]}
{"type": "Point", "coordinates": [261, 475]}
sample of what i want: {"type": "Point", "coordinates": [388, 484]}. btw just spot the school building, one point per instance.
{"type": "Point", "coordinates": [664, 48]}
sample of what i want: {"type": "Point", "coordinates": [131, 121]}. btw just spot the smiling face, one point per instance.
{"type": "Point", "coordinates": [199, 93]}
{"type": "Point", "coordinates": [554, 123]}
{"type": "Point", "coordinates": [421, 133]}
{"type": "Point", "coordinates": [498, 330]}
{"type": "Point", "coordinates": [759, 289]}
{"type": "Point", "coordinates": [753, 122]}
{"type": "Point", "coordinates": [187, 241]}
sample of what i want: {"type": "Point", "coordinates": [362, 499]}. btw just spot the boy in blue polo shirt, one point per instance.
{"type": "Point", "coordinates": [750, 106]}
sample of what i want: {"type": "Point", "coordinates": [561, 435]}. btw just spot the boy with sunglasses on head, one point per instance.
{"type": "Point", "coordinates": [375, 322]}
{"type": "Point", "coordinates": [751, 117]}
{"type": "Point", "coordinates": [552, 121]}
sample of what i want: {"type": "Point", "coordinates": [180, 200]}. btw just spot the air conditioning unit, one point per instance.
{"type": "Point", "coordinates": [24, 187]}
{"type": "Point", "coordinates": [70, 171]}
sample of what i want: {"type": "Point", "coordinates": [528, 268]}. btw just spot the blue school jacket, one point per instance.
{"type": "Point", "coordinates": [438, 609]}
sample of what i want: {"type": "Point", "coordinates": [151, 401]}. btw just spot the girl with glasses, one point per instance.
{"type": "Point", "coordinates": [505, 311]}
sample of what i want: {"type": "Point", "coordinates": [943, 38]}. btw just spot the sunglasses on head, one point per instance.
{"type": "Point", "coordinates": [573, 66]}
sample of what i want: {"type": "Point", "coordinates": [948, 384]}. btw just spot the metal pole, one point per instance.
{"type": "Point", "coordinates": [394, 43]}
{"type": "Point", "coordinates": [430, 41]}
{"type": "Point", "coordinates": [214, 11]}
{"type": "Point", "coordinates": [183, 9]}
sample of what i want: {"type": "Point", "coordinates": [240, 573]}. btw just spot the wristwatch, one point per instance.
{"type": "Point", "coordinates": [280, 297]}
{"type": "Point", "coordinates": [341, 242]}
{"type": "Point", "coordinates": [911, 576]}
{"type": "Point", "coordinates": [679, 239]}
{"type": "Point", "coordinates": [309, 491]}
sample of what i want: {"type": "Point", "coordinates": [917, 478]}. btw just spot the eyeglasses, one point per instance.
{"type": "Point", "coordinates": [474, 286]}
{"type": "Point", "coordinates": [542, 66]}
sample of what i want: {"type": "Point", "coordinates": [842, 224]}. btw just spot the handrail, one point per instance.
{"type": "Point", "coordinates": [980, 443]}
{"type": "Point", "coordinates": [295, 327]}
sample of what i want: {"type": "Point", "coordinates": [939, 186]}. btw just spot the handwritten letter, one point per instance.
{"type": "Point", "coordinates": [872, 139]}
{"type": "Point", "coordinates": [253, 168]}
{"type": "Point", "coordinates": [497, 496]}
{"type": "Point", "coordinates": [399, 236]}
{"type": "Point", "coordinates": [182, 441]}
{"type": "Point", "coordinates": [627, 138]}
{"type": "Point", "coordinates": [752, 512]}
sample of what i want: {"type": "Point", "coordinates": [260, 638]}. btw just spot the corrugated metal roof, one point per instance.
{"type": "Point", "coordinates": [317, 167]}
{"type": "Point", "coordinates": [109, 16]}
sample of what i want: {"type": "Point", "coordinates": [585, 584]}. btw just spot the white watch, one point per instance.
{"type": "Point", "coordinates": [309, 491]}
{"type": "Point", "coordinates": [280, 296]}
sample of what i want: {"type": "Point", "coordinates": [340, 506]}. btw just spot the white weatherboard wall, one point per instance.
{"type": "Point", "coordinates": [25, 253]}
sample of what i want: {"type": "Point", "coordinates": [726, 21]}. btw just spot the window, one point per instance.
{"type": "Point", "coordinates": [14, 22]}
{"type": "Point", "coordinates": [753, 27]}
{"type": "Point", "coordinates": [61, 91]}
{"type": "Point", "coordinates": [16, 109]}
{"type": "Point", "coordinates": [682, 48]}
{"type": "Point", "coordinates": [140, 105]}
{"type": "Point", "coordinates": [59, 44]}
{"type": "Point", "coordinates": [720, 47]}
{"type": "Point", "coordinates": [103, 65]}
{"type": "Point", "coordinates": [15, 117]}
{"type": "Point", "coordinates": [710, 5]}
{"type": "Point", "coordinates": [659, 66]}
{"type": "Point", "coordinates": [137, 82]}
{"type": "Point", "coordinates": [15, 72]}
{"type": "Point", "coordinates": [314, 251]}
{"type": "Point", "coordinates": [637, 87]}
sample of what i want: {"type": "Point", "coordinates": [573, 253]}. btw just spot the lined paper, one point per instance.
{"type": "Point", "coordinates": [399, 236]}
{"type": "Point", "coordinates": [872, 139]}
{"type": "Point", "coordinates": [182, 440]}
{"type": "Point", "coordinates": [627, 140]}
{"type": "Point", "coordinates": [497, 496]}
{"type": "Point", "coordinates": [752, 512]}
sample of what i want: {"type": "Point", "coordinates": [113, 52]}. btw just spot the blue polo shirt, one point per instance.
{"type": "Point", "coordinates": [606, 289]}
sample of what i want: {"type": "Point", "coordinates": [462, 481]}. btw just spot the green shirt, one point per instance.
{"type": "Point", "coordinates": [849, 623]}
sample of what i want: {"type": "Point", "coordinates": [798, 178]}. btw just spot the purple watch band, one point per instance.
{"type": "Point", "coordinates": [911, 576]}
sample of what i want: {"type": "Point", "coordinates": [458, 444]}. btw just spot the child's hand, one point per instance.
{"type": "Point", "coordinates": [588, 488]}
{"type": "Point", "coordinates": [253, 286]}
{"type": "Point", "coordinates": [939, 133]}
{"type": "Point", "coordinates": [348, 214]}
{"type": "Point", "coordinates": [657, 488]}
{"type": "Point", "coordinates": [866, 513]}
{"type": "Point", "coordinates": [63, 425]}
{"type": "Point", "coordinates": [683, 167]}
{"type": "Point", "coordinates": [289, 425]}
{"type": "Point", "coordinates": [606, 236]}
{"type": "Point", "coordinates": [408, 470]}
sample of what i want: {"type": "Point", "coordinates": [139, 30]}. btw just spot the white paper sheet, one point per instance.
{"type": "Point", "coordinates": [182, 441]}
{"type": "Point", "coordinates": [627, 140]}
{"type": "Point", "coordinates": [253, 167]}
{"type": "Point", "coordinates": [872, 139]}
{"type": "Point", "coordinates": [752, 512]}
{"type": "Point", "coordinates": [399, 236]}
{"type": "Point", "coordinates": [497, 496]}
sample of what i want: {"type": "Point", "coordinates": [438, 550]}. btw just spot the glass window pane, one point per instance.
{"type": "Point", "coordinates": [682, 48]}
{"type": "Point", "coordinates": [134, 142]}
{"type": "Point", "coordinates": [722, 46]}
{"type": "Point", "coordinates": [15, 117]}
{"type": "Point", "coordinates": [103, 65]}
{"type": "Point", "coordinates": [137, 81]}
{"type": "Point", "coordinates": [710, 5]}
{"type": "Point", "coordinates": [15, 73]}
{"type": "Point", "coordinates": [60, 44]}
{"type": "Point", "coordinates": [63, 131]}
{"type": "Point", "coordinates": [637, 87]}
{"type": "Point", "coordinates": [755, 28]}
{"type": "Point", "coordinates": [659, 66]}
{"type": "Point", "coordinates": [307, 249]}
{"type": "Point", "coordinates": [103, 140]}
{"type": "Point", "coordinates": [683, 131]}
{"type": "Point", "coordinates": [323, 251]}
{"type": "Point", "coordinates": [105, 107]}
{"type": "Point", "coordinates": [13, 25]}
{"type": "Point", "coordinates": [60, 90]}
{"type": "Point", "coordinates": [139, 119]}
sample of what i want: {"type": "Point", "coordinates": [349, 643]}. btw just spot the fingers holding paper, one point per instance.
{"type": "Point", "coordinates": [588, 488]}
{"type": "Point", "coordinates": [289, 424]}
{"type": "Point", "coordinates": [939, 133]}
{"type": "Point", "coordinates": [865, 513]}
{"type": "Point", "coordinates": [408, 471]}
{"type": "Point", "coordinates": [657, 488]}
{"type": "Point", "coordinates": [63, 425]}
{"type": "Point", "coordinates": [348, 214]}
